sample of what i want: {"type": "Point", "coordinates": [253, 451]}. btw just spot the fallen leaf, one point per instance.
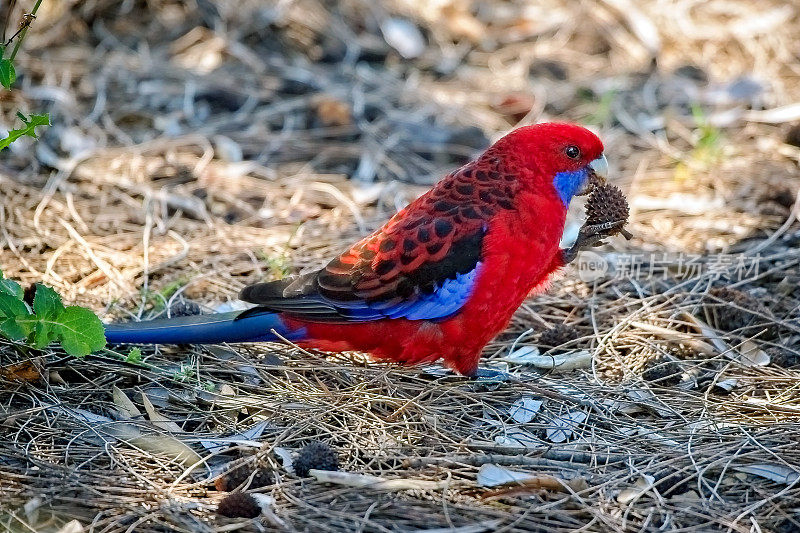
{"type": "Point", "coordinates": [286, 458]}
{"type": "Point", "coordinates": [777, 473]}
{"type": "Point", "coordinates": [521, 355]}
{"type": "Point", "coordinates": [643, 484]}
{"type": "Point", "coordinates": [491, 475]}
{"type": "Point", "coordinates": [518, 438]}
{"type": "Point", "coordinates": [158, 419]}
{"type": "Point", "coordinates": [727, 384]}
{"type": "Point", "coordinates": [374, 482]}
{"type": "Point", "coordinates": [564, 425]}
{"type": "Point", "coordinates": [127, 408]}
{"type": "Point", "coordinates": [524, 410]}
{"type": "Point", "coordinates": [24, 372]}
{"type": "Point", "coordinates": [563, 362]}
{"type": "Point", "coordinates": [749, 354]}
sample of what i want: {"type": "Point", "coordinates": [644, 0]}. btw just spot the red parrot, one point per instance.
{"type": "Point", "coordinates": [441, 278]}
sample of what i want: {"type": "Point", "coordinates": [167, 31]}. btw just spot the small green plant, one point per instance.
{"type": "Point", "coordinates": [707, 151]}
{"type": "Point", "coordinates": [603, 113]}
{"type": "Point", "coordinates": [134, 356]}
{"type": "Point", "coordinates": [157, 300]}
{"type": "Point", "coordinates": [30, 123]}
{"type": "Point", "coordinates": [279, 265]}
{"type": "Point", "coordinates": [8, 75]}
{"type": "Point", "coordinates": [708, 148]}
{"type": "Point", "coordinates": [185, 374]}
{"type": "Point", "coordinates": [46, 320]}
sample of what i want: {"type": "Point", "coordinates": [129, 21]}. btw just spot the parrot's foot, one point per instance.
{"type": "Point", "coordinates": [590, 236]}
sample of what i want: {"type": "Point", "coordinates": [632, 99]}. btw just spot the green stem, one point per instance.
{"type": "Point", "coordinates": [24, 32]}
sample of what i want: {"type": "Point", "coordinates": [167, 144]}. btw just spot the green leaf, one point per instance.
{"type": "Point", "coordinates": [47, 303]}
{"type": "Point", "coordinates": [48, 308]}
{"type": "Point", "coordinates": [13, 314]}
{"type": "Point", "coordinates": [12, 307]}
{"type": "Point", "coordinates": [14, 329]}
{"type": "Point", "coordinates": [33, 121]}
{"type": "Point", "coordinates": [7, 73]}
{"type": "Point", "coordinates": [12, 288]}
{"type": "Point", "coordinates": [81, 331]}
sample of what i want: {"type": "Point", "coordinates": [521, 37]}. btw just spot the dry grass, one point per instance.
{"type": "Point", "coordinates": [197, 148]}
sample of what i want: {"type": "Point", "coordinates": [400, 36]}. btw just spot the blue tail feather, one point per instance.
{"type": "Point", "coordinates": [253, 325]}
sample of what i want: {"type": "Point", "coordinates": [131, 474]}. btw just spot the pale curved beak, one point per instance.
{"type": "Point", "coordinates": [598, 172]}
{"type": "Point", "coordinates": [600, 167]}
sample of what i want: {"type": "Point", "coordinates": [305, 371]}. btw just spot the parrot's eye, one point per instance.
{"type": "Point", "coordinates": [573, 152]}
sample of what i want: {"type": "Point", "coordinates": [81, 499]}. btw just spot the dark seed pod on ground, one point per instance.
{"type": "Point", "coordinates": [558, 335]}
{"type": "Point", "coordinates": [317, 456]}
{"type": "Point", "coordinates": [239, 505]}
{"type": "Point", "coordinates": [235, 477]}
{"type": "Point", "coordinates": [183, 307]}
{"type": "Point", "coordinates": [607, 203]}
{"type": "Point", "coordinates": [783, 357]}
{"type": "Point", "coordinates": [732, 310]}
{"type": "Point", "coordinates": [662, 371]}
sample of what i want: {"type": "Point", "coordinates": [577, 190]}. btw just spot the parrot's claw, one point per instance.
{"type": "Point", "coordinates": [588, 237]}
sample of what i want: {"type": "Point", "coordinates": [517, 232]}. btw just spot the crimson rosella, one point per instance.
{"type": "Point", "coordinates": [441, 278]}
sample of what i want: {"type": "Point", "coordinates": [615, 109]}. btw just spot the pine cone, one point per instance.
{"type": "Point", "coordinates": [236, 476]}
{"type": "Point", "coordinates": [662, 371]}
{"type": "Point", "coordinates": [558, 335]}
{"type": "Point", "coordinates": [737, 311]}
{"type": "Point", "coordinates": [781, 356]}
{"type": "Point", "coordinates": [239, 505]}
{"type": "Point", "coordinates": [318, 456]}
{"type": "Point", "coordinates": [607, 203]}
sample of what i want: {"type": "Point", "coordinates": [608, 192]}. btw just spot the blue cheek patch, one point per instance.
{"type": "Point", "coordinates": [568, 183]}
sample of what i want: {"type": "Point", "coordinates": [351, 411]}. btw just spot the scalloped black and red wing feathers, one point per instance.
{"type": "Point", "coordinates": [421, 265]}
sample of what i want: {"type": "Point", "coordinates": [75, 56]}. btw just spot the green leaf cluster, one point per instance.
{"type": "Point", "coordinates": [76, 328]}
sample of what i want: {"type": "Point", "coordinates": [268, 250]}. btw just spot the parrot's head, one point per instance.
{"type": "Point", "coordinates": [563, 158]}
